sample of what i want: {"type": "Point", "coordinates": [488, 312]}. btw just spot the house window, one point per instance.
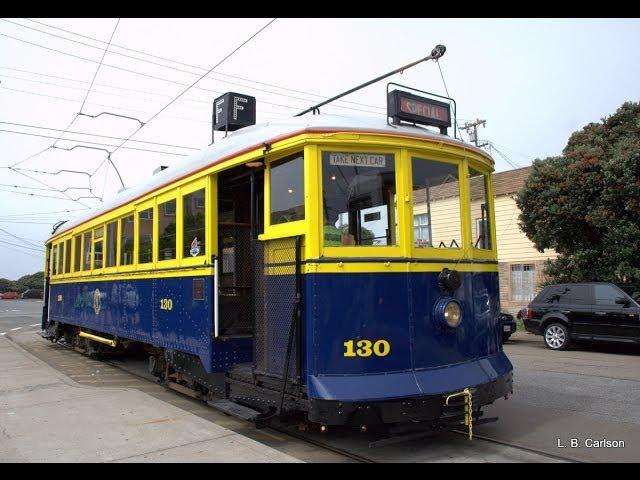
{"type": "Point", "coordinates": [421, 230]}
{"type": "Point", "coordinates": [523, 282]}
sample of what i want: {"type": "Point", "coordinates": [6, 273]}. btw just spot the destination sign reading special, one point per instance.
{"type": "Point", "coordinates": [423, 109]}
{"type": "Point", "coordinates": [357, 160]}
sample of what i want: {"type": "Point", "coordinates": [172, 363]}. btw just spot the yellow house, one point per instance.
{"type": "Point", "coordinates": [520, 264]}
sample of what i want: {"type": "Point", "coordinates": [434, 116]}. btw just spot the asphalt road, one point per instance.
{"type": "Point", "coordinates": [16, 315]}
{"type": "Point", "coordinates": [588, 392]}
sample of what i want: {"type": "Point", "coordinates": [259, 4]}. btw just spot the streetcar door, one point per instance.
{"type": "Point", "coordinates": [240, 196]}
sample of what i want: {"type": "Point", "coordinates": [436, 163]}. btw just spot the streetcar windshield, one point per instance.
{"type": "Point", "coordinates": [359, 192]}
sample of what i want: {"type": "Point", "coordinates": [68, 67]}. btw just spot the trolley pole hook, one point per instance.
{"type": "Point", "coordinates": [436, 53]}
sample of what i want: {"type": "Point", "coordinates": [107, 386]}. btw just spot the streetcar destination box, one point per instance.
{"type": "Point", "coordinates": [233, 111]}
{"type": "Point", "coordinates": [412, 108]}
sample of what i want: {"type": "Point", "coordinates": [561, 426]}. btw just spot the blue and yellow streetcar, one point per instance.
{"type": "Point", "coordinates": [337, 269]}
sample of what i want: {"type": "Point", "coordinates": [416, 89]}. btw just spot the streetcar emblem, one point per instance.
{"type": "Point", "coordinates": [96, 301]}
{"type": "Point", "coordinates": [195, 248]}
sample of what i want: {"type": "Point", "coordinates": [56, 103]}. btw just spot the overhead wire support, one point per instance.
{"type": "Point", "coordinates": [436, 53]}
{"type": "Point", "coordinates": [113, 115]}
{"type": "Point", "coordinates": [194, 83]}
{"type": "Point", "coordinates": [108, 159]}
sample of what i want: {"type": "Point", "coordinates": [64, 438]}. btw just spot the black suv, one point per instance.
{"type": "Point", "coordinates": [584, 311]}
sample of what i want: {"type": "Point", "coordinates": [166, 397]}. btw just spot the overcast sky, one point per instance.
{"type": "Point", "coordinates": [535, 81]}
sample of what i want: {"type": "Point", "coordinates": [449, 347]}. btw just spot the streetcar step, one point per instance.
{"type": "Point", "coordinates": [235, 409]}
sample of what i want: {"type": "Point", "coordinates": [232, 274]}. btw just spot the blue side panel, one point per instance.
{"type": "Point", "coordinates": [426, 358]}
{"type": "Point", "coordinates": [131, 309]}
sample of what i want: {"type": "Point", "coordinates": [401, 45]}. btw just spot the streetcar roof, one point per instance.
{"type": "Point", "coordinates": [250, 138]}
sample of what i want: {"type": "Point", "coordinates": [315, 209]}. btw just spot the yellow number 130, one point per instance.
{"type": "Point", "coordinates": [365, 348]}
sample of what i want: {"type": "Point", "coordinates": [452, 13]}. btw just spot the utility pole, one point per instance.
{"type": "Point", "coordinates": [472, 130]}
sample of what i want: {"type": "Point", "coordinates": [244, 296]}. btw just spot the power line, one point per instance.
{"type": "Point", "coordinates": [217, 92]}
{"type": "Point", "coordinates": [45, 196]}
{"type": "Point", "coordinates": [106, 49]}
{"type": "Point", "coordinates": [135, 97]}
{"type": "Point", "coordinates": [186, 65]}
{"type": "Point", "coordinates": [100, 104]}
{"type": "Point", "coordinates": [30, 157]}
{"type": "Point", "coordinates": [94, 143]}
{"type": "Point", "coordinates": [194, 83]}
{"type": "Point", "coordinates": [96, 135]}
{"type": "Point", "coordinates": [18, 238]}
{"type": "Point", "coordinates": [445, 88]}
{"type": "Point", "coordinates": [77, 200]}
{"type": "Point", "coordinates": [513, 164]}
{"type": "Point", "coordinates": [41, 213]}
{"type": "Point", "coordinates": [23, 252]}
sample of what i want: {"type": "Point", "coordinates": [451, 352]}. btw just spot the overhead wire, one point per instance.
{"type": "Point", "coordinates": [196, 67]}
{"type": "Point", "coordinates": [194, 83]}
{"type": "Point", "coordinates": [455, 125]}
{"type": "Point", "coordinates": [97, 135]}
{"type": "Point", "coordinates": [93, 143]}
{"type": "Point", "coordinates": [135, 97]}
{"type": "Point", "coordinates": [22, 239]}
{"type": "Point", "coordinates": [217, 92]}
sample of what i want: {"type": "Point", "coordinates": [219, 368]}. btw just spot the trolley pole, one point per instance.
{"type": "Point", "coordinates": [472, 130]}
{"type": "Point", "coordinates": [436, 53]}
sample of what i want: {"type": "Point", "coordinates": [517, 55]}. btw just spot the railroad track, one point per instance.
{"type": "Point", "coordinates": [306, 437]}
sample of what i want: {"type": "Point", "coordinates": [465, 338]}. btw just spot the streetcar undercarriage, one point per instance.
{"type": "Point", "coordinates": [242, 393]}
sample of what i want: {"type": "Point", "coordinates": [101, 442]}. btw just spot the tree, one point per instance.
{"type": "Point", "coordinates": [35, 280]}
{"type": "Point", "coordinates": [585, 204]}
{"type": "Point", "coordinates": [7, 285]}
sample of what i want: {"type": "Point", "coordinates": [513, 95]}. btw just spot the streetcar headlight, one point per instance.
{"type": "Point", "coordinates": [448, 312]}
{"type": "Point", "coordinates": [452, 314]}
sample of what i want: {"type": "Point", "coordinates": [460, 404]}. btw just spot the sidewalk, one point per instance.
{"type": "Point", "coordinates": [46, 417]}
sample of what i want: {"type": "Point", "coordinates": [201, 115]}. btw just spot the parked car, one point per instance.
{"type": "Point", "coordinates": [597, 311]}
{"type": "Point", "coordinates": [9, 295]}
{"type": "Point", "coordinates": [508, 326]}
{"type": "Point", "coordinates": [32, 293]}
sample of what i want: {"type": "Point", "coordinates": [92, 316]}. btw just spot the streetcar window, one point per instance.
{"type": "Point", "coordinates": [359, 199]}
{"type": "Point", "coordinates": [86, 251]}
{"type": "Point", "coordinates": [67, 256]}
{"type": "Point", "coordinates": [480, 226]}
{"type": "Point", "coordinates": [126, 240]}
{"type": "Point", "coordinates": [193, 224]}
{"type": "Point", "coordinates": [436, 204]}
{"type": "Point", "coordinates": [61, 257]}
{"type": "Point", "coordinates": [167, 230]}
{"type": "Point", "coordinates": [112, 238]}
{"type": "Point", "coordinates": [287, 189]}
{"type": "Point", "coordinates": [145, 235]}
{"type": "Point", "coordinates": [54, 260]}
{"type": "Point", "coordinates": [98, 235]}
{"type": "Point", "coordinates": [77, 254]}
